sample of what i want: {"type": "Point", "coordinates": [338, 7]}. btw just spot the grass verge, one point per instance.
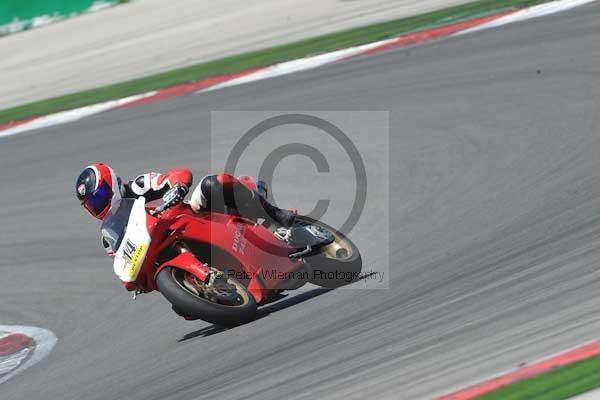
{"type": "Point", "coordinates": [562, 383]}
{"type": "Point", "coordinates": [274, 55]}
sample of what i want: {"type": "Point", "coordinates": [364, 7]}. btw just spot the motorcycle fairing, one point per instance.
{"type": "Point", "coordinates": [186, 262]}
{"type": "Point", "coordinates": [130, 256]}
{"type": "Point", "coordinates": [262, 256]}
{"type": "Point", "coordinates": [147, 243]}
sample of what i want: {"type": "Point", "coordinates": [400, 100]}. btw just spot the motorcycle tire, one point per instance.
{"type": "Point", "coordinates": [173, 286]}
{"type": "Point", "coordinates": [337, 264]}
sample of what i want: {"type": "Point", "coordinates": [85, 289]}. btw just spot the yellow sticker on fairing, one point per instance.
{"type": "Point", "coordinates": [137, 261]}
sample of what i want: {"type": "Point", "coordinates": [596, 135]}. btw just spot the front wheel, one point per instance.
{"type": "Point", "coordinates": [337, 264]}
{"type": "Point", "coordinates": [227, 305]}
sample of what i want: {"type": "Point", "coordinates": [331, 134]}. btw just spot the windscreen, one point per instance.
{"type": "Point", "coordinates": [115, 224]}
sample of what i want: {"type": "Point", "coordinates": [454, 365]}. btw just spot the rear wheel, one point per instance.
{"type": "Point", "coordinates": [338, 263]}
{"type": "Point", "coordinates": [228, 303]}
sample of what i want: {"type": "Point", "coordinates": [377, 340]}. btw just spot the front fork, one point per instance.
{"type": "Point", "coordinates": [186, 261]}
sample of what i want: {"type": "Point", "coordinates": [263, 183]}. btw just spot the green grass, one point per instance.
{"type": "Point", "coordinates": [562, 383]}
{"type": "Point", "coordinates": [238, 63]}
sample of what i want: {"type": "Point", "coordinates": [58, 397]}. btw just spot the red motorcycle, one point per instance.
{"type": "Point", "coordinates": [219, 267]}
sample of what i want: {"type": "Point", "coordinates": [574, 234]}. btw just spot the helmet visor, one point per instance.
{"type": "Point", "coordinates": [97, 202]}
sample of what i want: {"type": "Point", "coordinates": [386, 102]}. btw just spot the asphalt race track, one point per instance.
{"type": "Point", "coordinates": [494, 233]}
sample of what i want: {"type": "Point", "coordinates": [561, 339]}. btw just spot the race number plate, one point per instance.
{"type": "Point", "coordinates": [135, 256]}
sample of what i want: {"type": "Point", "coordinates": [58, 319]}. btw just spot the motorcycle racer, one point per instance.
{"type": "Point", "coordinates": [206, 260]}
{"type": "Point", "coordinates": [98, 188]}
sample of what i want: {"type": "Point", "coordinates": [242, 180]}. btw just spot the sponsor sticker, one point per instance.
{"type": "Point", "coordinates": [135, 255]}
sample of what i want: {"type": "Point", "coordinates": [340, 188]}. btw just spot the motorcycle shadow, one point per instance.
{"type": "Point", "coordinates": [290, 301]}
{"type": "Point", "coordinates": [262, 312]}
{"type": "Point", "coordinates": [204, 332]}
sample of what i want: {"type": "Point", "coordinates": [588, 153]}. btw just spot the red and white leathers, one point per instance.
{"type": "Point", "coordinates": [99, 188]}
{"type": "Point", "coordinates": [224, 193]}
{"type": "Point", "coordinates": [220, 193]}
{"type": "Point", "coordinates": [214, 192]}
{"type": "Point", "coordinates": [154, 185]}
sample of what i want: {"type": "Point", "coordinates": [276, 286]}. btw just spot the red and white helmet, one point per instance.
{"type": "Point", "coordinates": [98, 188]}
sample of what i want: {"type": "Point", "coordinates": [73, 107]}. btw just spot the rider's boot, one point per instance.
{"type": "Point", "coordinates": [257, 206]}
{"type": "Point", "coordinates": [283, 217]}
{"type": "Point", "coordinates": [254, 204]}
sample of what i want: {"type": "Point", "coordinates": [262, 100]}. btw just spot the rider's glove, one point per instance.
{"type": "Point", "coordinates": [175, 195]}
